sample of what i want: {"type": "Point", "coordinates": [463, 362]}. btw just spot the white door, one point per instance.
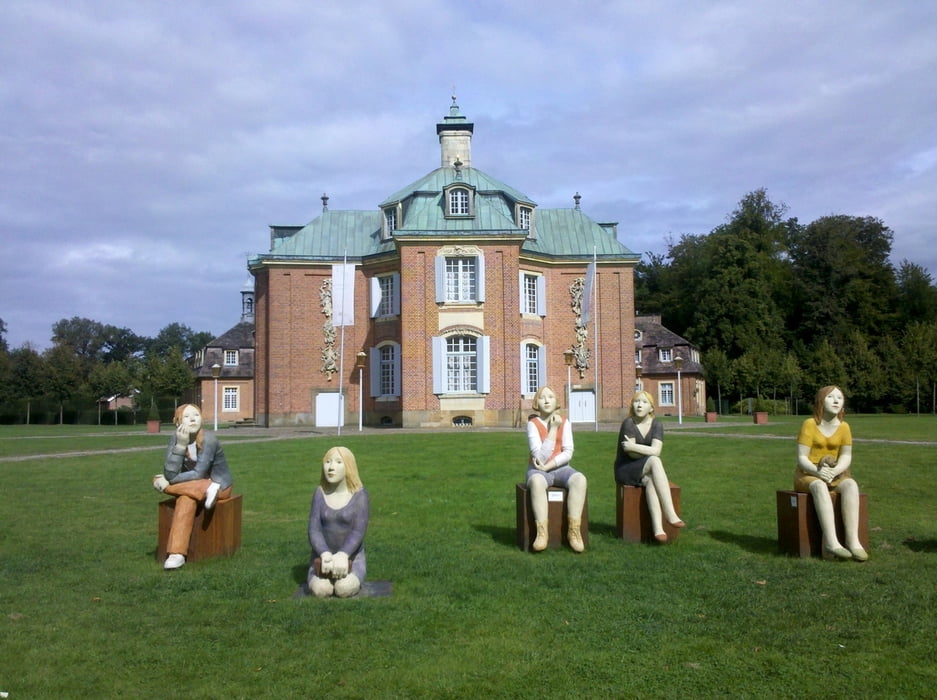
{"type": "Point", "coordinates": [329, 413]}
{"type": "Point", "coordinates": [582, 407]}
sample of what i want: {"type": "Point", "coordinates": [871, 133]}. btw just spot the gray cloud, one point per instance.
{"type": "Point", "coordinates": [145, 147]}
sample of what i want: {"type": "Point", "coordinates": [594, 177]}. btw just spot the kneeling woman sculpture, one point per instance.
{"type": "Point", "coordinates": [550, 439]}
{"type": "Point", "coordinates": [824, 453]}
{"type": "Point", "coordinates": [338, 521]}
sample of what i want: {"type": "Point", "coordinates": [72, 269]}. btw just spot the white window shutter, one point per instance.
{"type": "Point", "coordinates": [375, 296]}
{"type": "Point", "coordinates": [440, 279]}
{"type": "Point", "coordinates": [374, 371]}
{"type": "Point", "coordinates": [541, 366]}
{"type": "Point", "coordinates": [480, 267]}
{"type": "Point", "coordinates": [541, 295]}
{"type": "Point", "coordinates": [439, 365]}
{"type": "Point", "coordinates": [521, 295]}
{"type": "Point", "coordinates": [395, 301]}
{"type": "Point", "coordinates": [483, 358]}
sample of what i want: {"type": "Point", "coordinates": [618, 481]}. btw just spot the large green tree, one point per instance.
{"type": "Point", "coordinates": [843, 279]}
{"type": "Point", "coordinates": [738, 276]}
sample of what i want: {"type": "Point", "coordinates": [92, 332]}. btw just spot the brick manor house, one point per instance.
{"type": "Point", "coordinates": [467, 298]}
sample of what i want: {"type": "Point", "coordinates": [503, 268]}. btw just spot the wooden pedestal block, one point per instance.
{"type": "Point", "coordinates": [633, 519]}
{"type": "Point", "coordinates": [799, 528]}
{"type": "Point", "coordinates": [557, 514]}
{"type": "Point", "coordinates": [215, 533]}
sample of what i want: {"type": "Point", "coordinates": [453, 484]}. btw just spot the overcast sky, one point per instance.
{"type": "Point", "coordinates": [145, 147]}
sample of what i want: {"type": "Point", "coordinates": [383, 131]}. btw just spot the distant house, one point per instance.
{"type": "Point", "coordinates": [233, 353]}
{"type": "Point", "coordinates": [658, 353]}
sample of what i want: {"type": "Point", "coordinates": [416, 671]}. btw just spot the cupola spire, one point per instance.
{"type": "Point", "coordinates": [455, 138]}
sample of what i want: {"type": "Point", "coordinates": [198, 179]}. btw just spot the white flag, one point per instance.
{"type": "Point", "coordinates": [343, 295]}
{"type": "Point", "coordinates": [587, 296]}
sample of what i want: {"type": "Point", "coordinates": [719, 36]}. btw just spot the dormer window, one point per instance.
{"type": "Point", "coordinates": [390, 223]}
{"type": "Point", "coordinates": [459, 201]}
{"type": "Point", "coordinates": [523, 217]}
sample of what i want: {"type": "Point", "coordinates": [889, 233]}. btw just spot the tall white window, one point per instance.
{"type": "Point", "coordinates": [230, 358]}
{"type": "Point", "coordinates": [390, 221]}
{"type": "Point", "coordinates": [385, 370]}
{"type": "Point", "coordinates": [665, 354]}
{"type": "Point", "coordinates": [461, 279]}
{"type": "Point", "coordinates": [666, 394]}
{"type": "Point", "coordinates": [460, 364]}
{"type": "Point", "coordinates": [385, 295]}
{"type": "Point", "coordinates": [459, 202]}
{"type": "Point", "coordinates": [533, 294]}
{"type": "Point", "coordinates": [231, 396]}
{"type": "Point", "coordinates": [533, 367]}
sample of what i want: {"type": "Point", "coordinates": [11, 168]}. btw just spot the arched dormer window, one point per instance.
{"type": "Point", "coordinates": [460, 201]}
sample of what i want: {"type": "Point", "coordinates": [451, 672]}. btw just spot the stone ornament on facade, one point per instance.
{"type": "Point", "coordinates": [329, 354]}
{"type": "Point", "coordinates": [580, 351]}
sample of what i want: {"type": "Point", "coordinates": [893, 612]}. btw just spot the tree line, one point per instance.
{"type": "Point", "coordinates": [90, 361]}
{"type": "Point", "coordinates": [779, 309]}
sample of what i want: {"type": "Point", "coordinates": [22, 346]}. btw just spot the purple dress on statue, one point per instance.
{"type": "Point", "coordinates": [341, 530]}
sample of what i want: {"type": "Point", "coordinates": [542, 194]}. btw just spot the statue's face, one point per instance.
{"type": "Point", "coordinates": [833, 402]}
{"type": "Point", "coordinates": [547, 401]}
{"type": "Point", "coordinates": [333, 467]}
{"type": "Point", "coordinates": [641, 405]}
{"type": "Point", "coordinates": [191, 419]}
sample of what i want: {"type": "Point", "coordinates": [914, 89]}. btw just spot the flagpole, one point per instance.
{"type": "Point", "coordinates": [595, 333]}
{"type": "Point", "coordinates": [341, 352]}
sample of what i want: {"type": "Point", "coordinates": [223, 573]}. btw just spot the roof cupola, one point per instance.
{"type": "Point", "coordinates": [455, 138]}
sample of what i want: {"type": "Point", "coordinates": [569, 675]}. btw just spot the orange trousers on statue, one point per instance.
{"type": "Point", "coordinates": [188, 495]}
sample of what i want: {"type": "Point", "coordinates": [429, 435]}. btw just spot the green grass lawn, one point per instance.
{"type": "Point", "coordinates": [87, 611]}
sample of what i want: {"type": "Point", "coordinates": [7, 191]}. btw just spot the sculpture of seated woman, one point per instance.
{"type": "Point", "coordinates": [550, 440]}
{"type": "Point", "coordinates": [824, 455]}
{"type": "Point", "coordinates": [338, 520]}
{"type": "Point", "coordinates": [638, 463]}
{"type": "Point", "coordinates": [195, 471]}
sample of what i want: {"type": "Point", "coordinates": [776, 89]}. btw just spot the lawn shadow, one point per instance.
{"type": "Point", "coordinates": [300, 572]}
{"type": "Point", "coordinates": [505, 536]}
{"type": "Point", "coordinates": [752, 543]}
{"type": "Point", "coordinates": [926, 546]}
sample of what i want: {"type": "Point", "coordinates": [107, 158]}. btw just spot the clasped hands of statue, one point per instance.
{"type": "Point", "coordinates": [334, 565]}
{"type": "Point", "coordinates": [553, 422]}
{"type": "Point", "coordinates": [826, 468]}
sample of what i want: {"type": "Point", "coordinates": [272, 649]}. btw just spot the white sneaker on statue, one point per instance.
{"type": "Point", "coordinates": [211, 494]}
{"type": "Point", "coordinates": [174, 561]}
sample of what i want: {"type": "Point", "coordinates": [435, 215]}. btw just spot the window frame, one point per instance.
{"type": "Point", "coordinates": [227, 354]}
{"type": "Point", "coordinates": [379, 300]}
{"type": "Point", "coordinates": [442, 278]}
{"type": "Point", "coordinates": [231, 406]}
{"type": "Point", "coordinates": [538, 290]}
{"type": "Point", "coordinates": [380, 367]}
{"type": "Point", "coordinates": [663, 388]}
{"type": "Point", "coordinates": [442, 366]}
{"type": "Point", "coordinates": [538, 363]}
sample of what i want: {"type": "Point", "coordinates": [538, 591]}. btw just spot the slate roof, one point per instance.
{"type": "Point", "coordinates": [653, 336]}
{"type": "Point", "coordinates": [557, 233]}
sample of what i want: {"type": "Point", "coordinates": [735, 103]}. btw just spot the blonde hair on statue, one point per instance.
{"type": "Point", "coordinates": [352, 479]}
{"type": "Point", "coordinates": [177, 419]}
{"type": "Point", "coordinates": [650, 400]}
{"type": "Point", "coordinates": [536, 402]}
